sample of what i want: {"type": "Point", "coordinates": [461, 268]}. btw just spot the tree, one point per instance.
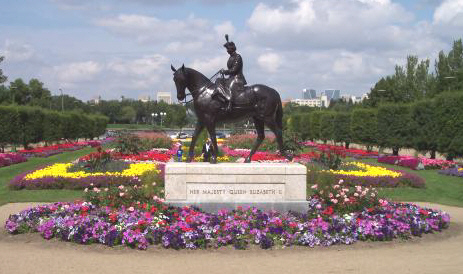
{"type": "Point", "coordinates": [342, 128]}
{"type": "Point", "coordinates": [315, 125]}
{"type": "Point", "coordinates": [449, 112]}
{"type": "Point", "coordinates": [20, 92]}
{"type": "Point", "coordinates": [424, 126]}
{"type": "Point", "coordinates": [364, 127]}
{"type": "Point", "coordinates": [327, 125]}
{"type": "Point", "coordinates": [128, 114]}
{"type": "Point", "coordinates": [394, 127]}
{"type": "Point", "coordinates": [3, 78]}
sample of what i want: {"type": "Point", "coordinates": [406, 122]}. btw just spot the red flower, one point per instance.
{"type": "Point", "coordinates": [370, 209]}
{"type": "Point", "coordinates": [328, 211]}
{"type": "Point", "coordinates": [424, 212]}
{"type": "Point", "coordinates": [389, 216]}
{"type": "Point", "coordinates": [153, 209]}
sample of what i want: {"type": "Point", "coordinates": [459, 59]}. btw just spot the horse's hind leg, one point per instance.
{"type": "Point", "coordinates": [278, 131]}
{"type": "Point", "coordinates": [259, 124]}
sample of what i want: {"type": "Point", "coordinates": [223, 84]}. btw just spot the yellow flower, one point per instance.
{"type": "Point", "coordinates": [61, 170]}
{"type": "Point", "coordinates": [366, 170]}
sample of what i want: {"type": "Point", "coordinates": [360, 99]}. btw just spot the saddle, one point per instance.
{"type": "Point", "coordinates": [243, 98]}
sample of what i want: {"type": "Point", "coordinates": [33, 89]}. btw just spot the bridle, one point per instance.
{"type": "Point", "coordinates": [199, 91]}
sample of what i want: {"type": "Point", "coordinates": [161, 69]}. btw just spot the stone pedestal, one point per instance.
{"type": "Point", "coordinates": [275, 186]}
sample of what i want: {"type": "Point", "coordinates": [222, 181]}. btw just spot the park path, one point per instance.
{"type": "Point", "coordinates": [437, 253]}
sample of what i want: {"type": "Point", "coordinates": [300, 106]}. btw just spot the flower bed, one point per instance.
{"type": "Point", "coordinates": [154, 223]}
{"type": "Point", "coordinates": [8, 159]}
{"type": "Point", "coordinates": [452, 172]}
{"type": "Point", "coordinates": [59, 176]}
{"type": "Point", "coordinates": [261, 156]}
{"type": "Point", "coordinates": [416, 162]}
{"type": "Point", "coordinates": [357, 173]}
{"type": "Point", "coordinates": [355, 153]}
{"type": "Point", "coordinates": [48, 151]}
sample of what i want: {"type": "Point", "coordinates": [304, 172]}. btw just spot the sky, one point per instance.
{"type": "Point", "coordinates": [114, 48]}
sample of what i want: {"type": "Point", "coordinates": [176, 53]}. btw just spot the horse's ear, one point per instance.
{"type": "Point", "coordinates": [172, 68]}
{"type": "Point", "coordinates": [183, 67]}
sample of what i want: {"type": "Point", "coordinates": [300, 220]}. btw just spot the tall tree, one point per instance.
{"type": "Point", "coordinates": [3, 78]}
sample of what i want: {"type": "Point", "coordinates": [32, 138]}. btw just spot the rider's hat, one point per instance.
{"type": "Point", "coordinates": [229, 45]}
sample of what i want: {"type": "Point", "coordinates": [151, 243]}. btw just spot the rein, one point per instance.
{"type": "Point", "coordinates": [200, 90]}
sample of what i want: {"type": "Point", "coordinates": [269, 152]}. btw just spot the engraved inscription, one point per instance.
{"type": "Point", "coordinates": [235, 192]}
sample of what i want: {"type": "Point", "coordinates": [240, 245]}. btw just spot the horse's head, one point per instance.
{"type": "Point", "coordinates": [180, 81]}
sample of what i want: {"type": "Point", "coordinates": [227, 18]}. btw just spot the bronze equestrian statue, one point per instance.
{"type": "Point", "coordinates": [236, 81]}
{"type": "Point", "coordinates": [259, 102]}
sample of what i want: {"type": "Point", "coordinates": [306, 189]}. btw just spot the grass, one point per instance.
{"type": "Point", "coordinates": [129, 126]}
{"type": "Point", "coordinates": [13, 196]}
{"type": "Point", "coordinates": [441, 189]}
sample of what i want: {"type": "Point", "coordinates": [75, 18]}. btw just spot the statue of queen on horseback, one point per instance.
{"type": "Point", "coordinates": [230, 100]}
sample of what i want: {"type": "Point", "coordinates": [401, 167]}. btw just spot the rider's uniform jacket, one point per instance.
{"type": "Point", "coordinates": [235, 68]}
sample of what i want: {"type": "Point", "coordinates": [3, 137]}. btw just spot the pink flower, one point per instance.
{"type": "Point", "coordinates": [335, 201]}
{"type": "Point", "coordinates": [314, 186]}
{"type": "Point", "coordinates": [131, 209]}
{"type": "Point", "coordinates": [121, 194]}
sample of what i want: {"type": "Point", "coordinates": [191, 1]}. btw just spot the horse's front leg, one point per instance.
{"type": "Point", "coordinates": [191, 152]}
{"type": "Point", "coordinates": [211, 130]}
{"type": "Point", "coordinates": [260, 128]}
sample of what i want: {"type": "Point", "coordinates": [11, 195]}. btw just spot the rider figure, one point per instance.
{"type": "Point", "coordinates": [236, 80]}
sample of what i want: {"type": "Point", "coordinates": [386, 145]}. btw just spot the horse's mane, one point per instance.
{"type": "Point", "coordinates": [197, 76]}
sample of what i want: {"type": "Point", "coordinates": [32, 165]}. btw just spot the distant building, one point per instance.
{"type": "Point", "coordinates": [144, 99]}
{"type": "Point", "coordinates": [164, 97]}
{"type": "Point", "coordinates": [333, 94]}
{"type": "Point", "coordinates": [309, 94]}
{"type": "Point", "coordinates": [354, 99]}
{"type": "Point", "coordinates": [95, 101]}
{"type": "Point", "coordinates": [320, 102]}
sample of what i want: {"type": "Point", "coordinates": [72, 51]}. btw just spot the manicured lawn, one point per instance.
{"type": "Point", "coordinates": [441, 189]}
{"type": "Point", "coordinates": [447, 190]}
{"type": "Point", "coordinates": [129, 126]}
{"type": "Point", "coordinates": [8, 173]}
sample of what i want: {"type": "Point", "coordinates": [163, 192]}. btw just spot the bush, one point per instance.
{"type": "Point", "coordinates": [364, 127]}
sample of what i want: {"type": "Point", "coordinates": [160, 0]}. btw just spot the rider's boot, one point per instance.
{"type": "Point", "coordinates": [230, 102]}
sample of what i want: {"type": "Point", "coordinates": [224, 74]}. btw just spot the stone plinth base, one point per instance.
{"type": "Point", "coordinates": [275, 186]}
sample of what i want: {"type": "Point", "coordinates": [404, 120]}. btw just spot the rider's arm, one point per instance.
{"type": "Point", "coordinates": [237, 63]}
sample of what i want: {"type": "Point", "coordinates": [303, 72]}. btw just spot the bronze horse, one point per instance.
{"type": "Point", "coordinates": [260, 102]}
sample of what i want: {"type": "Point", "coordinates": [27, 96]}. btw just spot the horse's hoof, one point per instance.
{"type": "Point", "coordinates": [213, 160]}
{"type": "Point", "coordinates": [248, 160]}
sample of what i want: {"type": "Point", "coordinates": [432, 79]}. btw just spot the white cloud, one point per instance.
{"type": "Point", "coordinates": [450, 11]}
{"type": "Point", "coordinates": [144, 66]}
{"type": "Point", "coordinates": [330, 24]}
{"type": "Point", "coordinates": [225, 28]}
{"type": "Point", "coordinates": [17, 52]}
{"type": "Point", "coordinates": [269, 62]}
{"type": "Point", "coordinates": [77, 72]}
{"type": "Point", "coordinates": [268, 20]}
{"type": "Point", "coordinates": [151, 29]}
{"type": "Point", "coordinates": [209, 66]}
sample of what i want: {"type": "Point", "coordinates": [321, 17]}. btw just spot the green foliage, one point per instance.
{"type": "Point", "coordinates": [394, 126]}
{"type": "Point", "coordinates": [327, 125]}
{"type": "Point", "coordinates": [364, 126]}
{"type": "Point", "coordinates": [291, 141]}
{"type": "Point", "coordinates": [315, 125]}
{"type": "Point", "coordinates": [342, 128]}
{"type": "Point", "coordinates": [127, 143]}
{"type": "Point", "coordinates": [329, 160]}
{"type": "Point", "coordinates": [2, 77]}
{"type": "Point", "coordinates": [25, 125]}
{"type": "Point", "coordinates": [425, 125]}
{"type": "Point", "coordinates": [449, 111]}
{"type": "Point", "coordinates": [9, 129]}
